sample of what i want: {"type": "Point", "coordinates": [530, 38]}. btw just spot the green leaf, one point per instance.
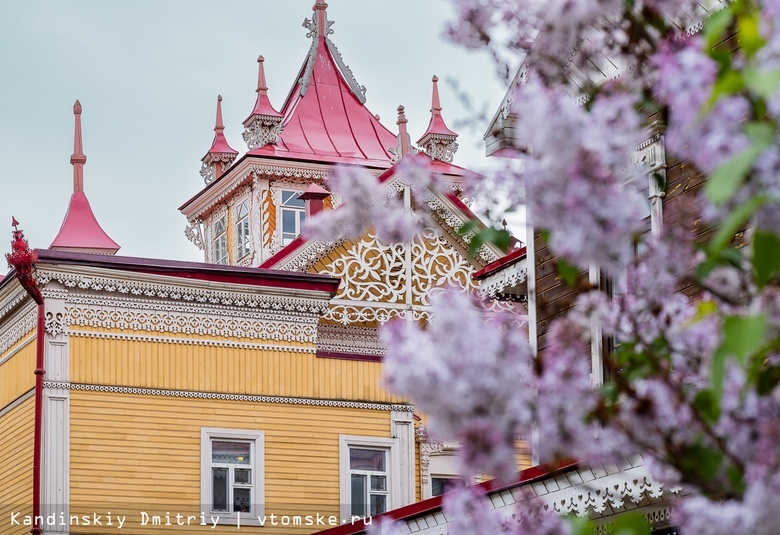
{"type": "Point", "coordinates": [489, 235]}
{"type": "Point", "coordinates": [580, 525]}
{"type": "Point", "coordinates": [631, 524]}
{"type": "Point", "coordinates": [762, 83]}
{"type": "Point", "coordinates": [468, 226]}
{"type": "Point", "coordinates": [766, 256]}
{"type": "Point", "coordinates": [704, 462]}
{"type": "Point", "coordinates": [738, 218]}
{"type": "Point", "coordinates": [748, 24]}
{"type": "Point", "coordinates": [715, 25]}
{"type": "Point", "coordinates": [568, 272]}
{"type": "Point", "coordinates": [744, 335]}
{"type": "Point", "coordinates": [708, 405]}
{"type": "Point", "coordinates": [725, 181]}
{"type": "Point", "coordinates": [768, 379]}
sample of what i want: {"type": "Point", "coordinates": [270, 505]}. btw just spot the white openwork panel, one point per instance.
{"type": "Point", "coordinates": [437, 264]}
{"type": "Point", "coordinates": [371, 271]}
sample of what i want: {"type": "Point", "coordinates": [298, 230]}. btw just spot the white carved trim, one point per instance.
{"type": "Point", "coordinates": [17, 326]}
{"type": "Point", "coordinates": [358, 90]}
{"type": "Point", "coordinates": [230, 397]}
{"type": "Point", "coordinates": [290, 305]}
{"type": "Point", "coordinates": [12, 301]}
{"type": "Point", "coordinates": [349, 339]}
{"type": "Point", "coordinates": [18, 401]}
{"type": "Point", "coordinates": [493, 285]}
{"type": "Point", "coordinates": [191, 341]}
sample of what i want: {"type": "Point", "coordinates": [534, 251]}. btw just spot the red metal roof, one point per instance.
{"type": "Point", "coordinates": [220, 144]}
{"type": "Point", "coordinates": [436, 125]}
{"type": "Point", "coordinates": [326, 122]}
{"type": "Point", "coordinates": [431, 505]}
{"type": "Point", "coordinates": [505, 261]}
{"type": "Point", "coordinates": [80, 229]}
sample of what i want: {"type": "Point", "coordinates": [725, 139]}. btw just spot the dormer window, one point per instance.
{"type": "Point", "coordinates": [220, 241]}
{"type": "Point", "coordinates": [293, 211]}
{"type": "Point", "coordinates": [243, 240]}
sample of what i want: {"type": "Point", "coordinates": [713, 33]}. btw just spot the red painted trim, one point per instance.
{"type": "Point", "coordinates": [196, 271]}
{"type": "Point", "coordinates": [289, 249]}
{"type": "Point", "coordinates": [424, 507]}
{"type": "Point", "coordinates": [504, 261]}
{"type": "Point", "coordinates": [38, 423]}
{"type": "Point", "coordinates": [349, 356]}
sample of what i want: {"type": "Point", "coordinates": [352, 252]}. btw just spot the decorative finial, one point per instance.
{"type": "Point", "coordinates": [14, 223]}
{"type": "Point", "coordinates": [221, 155]}
{"type": "Point", "coordinates": [21, 257]}
{"type": "Point", "coordinates": [218, 125]}
{"type": "Point", "coordinates": [404, 144]}
{"type": "Point", "coordinates": [435, 102]}
{"type": "Point", "coordinates": [78, 159]}
{"type": "Point", "coordinates": [262, 86]}
{"type": "Point", "coordinates": [438, 141]}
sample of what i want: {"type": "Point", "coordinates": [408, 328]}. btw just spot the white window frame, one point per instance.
{"type": "Point", "coordinates": [222, 236]}
{"type": "Point", "coordinates": [257, 441]}
{"type": "Point", "coordinates": [243, 247]}
{"type": "Point", "coordinates": [298, 212]}
{"type": "Point", "coordinates": [389, 445]}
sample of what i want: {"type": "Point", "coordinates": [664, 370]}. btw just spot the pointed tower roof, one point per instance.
{"type": "Point", "coordinates": [325, 119]}
{"type": "Point", "coordinates": [80, 230]}
{"type": "Point", "coordinates": [220, 144]}
{"type": "Point", "coordinates": [438, 141]}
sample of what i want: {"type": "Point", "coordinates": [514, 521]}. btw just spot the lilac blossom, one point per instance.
{"type": "Point", "coordinates": [463, 356]}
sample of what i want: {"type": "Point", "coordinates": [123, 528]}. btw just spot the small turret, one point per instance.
{"type": "Point", "coordinates": [438, 141]}
{"type": "Point", "coordinates": [221, 155]}
{"type": "Point", "coordinates": [264, 124]}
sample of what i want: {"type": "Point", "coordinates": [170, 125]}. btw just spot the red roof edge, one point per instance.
{"type": "Point", "coordinates": [504, 261]}
{"type": "Point", "coordinates": [349, 356]}
{"type": "Point", "coordinates": [286, 251]}
{"type": "Point", "coordinates": [529, 475]}
{"type": "Point", "coordinates": [196, 271]}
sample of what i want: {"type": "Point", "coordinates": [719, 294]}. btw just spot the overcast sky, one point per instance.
{"type": "Point", "coordinates": [147, 74]}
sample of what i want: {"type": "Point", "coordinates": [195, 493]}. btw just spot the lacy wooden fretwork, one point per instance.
{"type": "Point", "coordinates": [440, 147]}
{"type": "Point", "coordinates": [430, 449]}
{"type": "Point", "coordinates": [183, 294]}
{"type": "Point", "coordinates": [349, 339]}
{"type": "Point", "coordinates": [17, 326]}
{"type": "Point", "coordinates": [194, 233]}
{"type": "Point", "coordinates": [495, 285]}
{"type": "Point", "coordinates": [452, 222]}
{"type": "Point", "coordinates": [208, 168]}
{"type": "Point", "coordinates": [262, 130]}
{"type": "Point", "coordinates": [384, 281]}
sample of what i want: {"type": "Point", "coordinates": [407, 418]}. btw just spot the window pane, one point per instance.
{"type": "Point", "coordinates": [242, 476]}
{"type": "Point", "coordinates": [440, 485]}
{"type": "Point", "coordinates": [219, 226]}
{"type": "Point", "coordinates": [241, 500]}
{"type": "Point", "coordinates": [290, 198]}
{"type": "Point", "coordinates": [360, 459]}
{"type": "Point", "coordinates": [289, 222]}
{"type": "Point", "coordinates": [230, 452]}
{"type": "Point", "coordinates": [219, 489]}
{"type": "Point", "coordinates": [378, 504]}
{"type": "Point", "coordinates": [242, 209]}
{"type": "Point", "coordinates": [378, 483]}
{"type": "Point", "coordinates": [358, 495]}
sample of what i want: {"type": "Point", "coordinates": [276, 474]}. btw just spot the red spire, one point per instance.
{"type": "Point", "coordinates": [319, 9]}
{"type": "Point", "coordinates": [404, 142]}
{"type": "Point", "coordinates": [438, 140]}
{"type": "Point", "coordinates": [78, 159]}
{"type": "Point", "coordinates": [80, 230]}
{"type": "Point", "coordinates": [262, 104]}
{"type": "Point", "coordinates": [220, 144]}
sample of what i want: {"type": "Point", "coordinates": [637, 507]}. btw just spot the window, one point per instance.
{"type": "Point", "coordinates": [440, 485]}
{"type": "Point", "coordinates": [220, 241]}
{"type": "Point", "coordinates": [369, 486]}
{"type": "Point", "coordinates": [243, 244]}
{"type": "Point", "coordinates": [368, 481]}
{"type": "Point", "coordinates": [293, 215]}
{"type": "Point", "coordinates": [232, 479]}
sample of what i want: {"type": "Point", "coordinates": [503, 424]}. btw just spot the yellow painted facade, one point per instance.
{"type": "Point", "coordinates": [16, 370]}
{"type": "Point", "coordinates": [202, 368]}
{"type": "Point", "coordinates": [147, 450]}
{"type": "Point", "coordinates": [16, 460]}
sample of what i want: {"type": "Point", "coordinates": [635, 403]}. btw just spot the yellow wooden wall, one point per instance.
{"type": "Point", "coordinates": [178, 366]}
{"type": "Point", "coordinates": [16, 445]}
{"type": "Point", "coordinates": [142, 453]}
{"type": "Point", "coordinates": [17, 372]}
